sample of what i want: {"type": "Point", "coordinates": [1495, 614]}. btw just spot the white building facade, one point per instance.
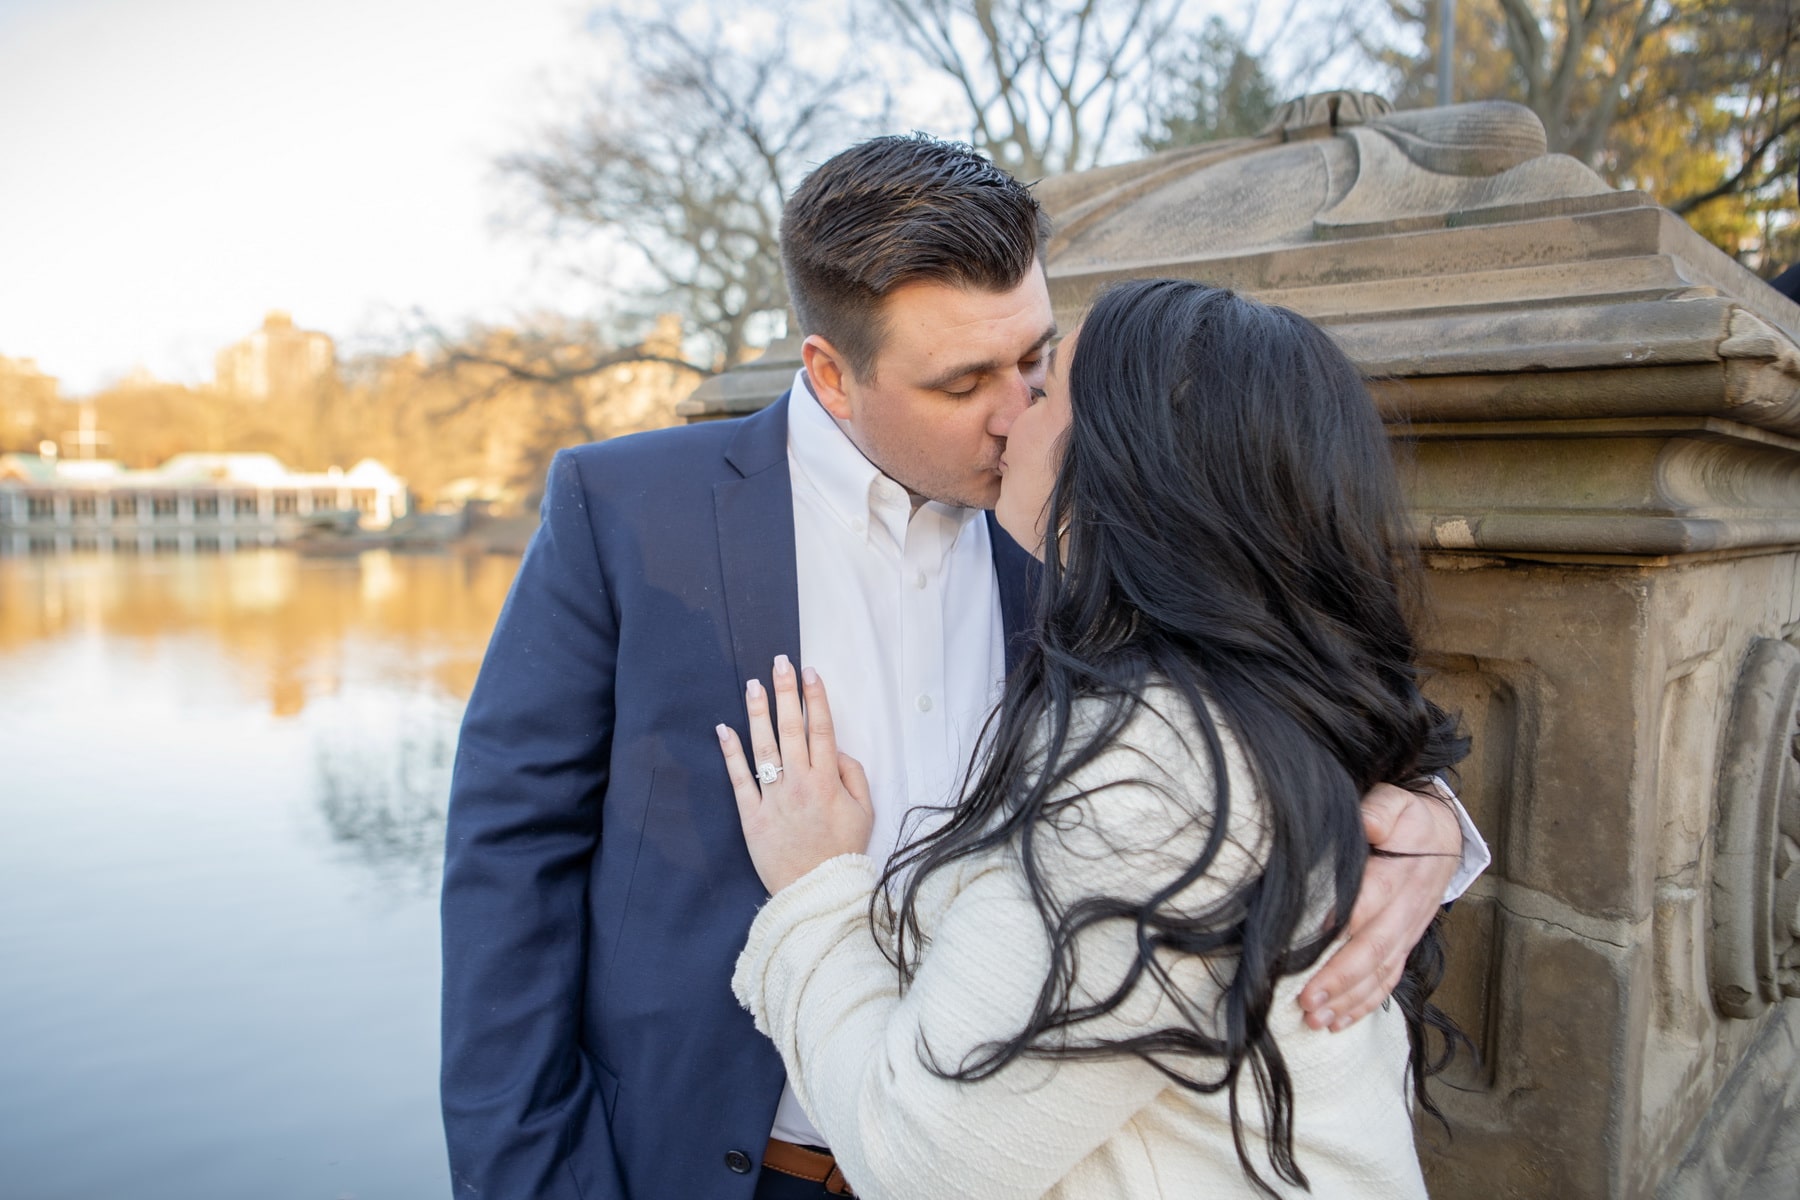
{"type": "Point", "coordinates": [193, 502]}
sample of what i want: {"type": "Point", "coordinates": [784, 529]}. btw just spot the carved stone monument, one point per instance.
{"type": "Point", "coordinates": [1598, 417]}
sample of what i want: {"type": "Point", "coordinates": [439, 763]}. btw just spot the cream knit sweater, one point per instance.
{"type": "Point", "coordinates": [820, 987]}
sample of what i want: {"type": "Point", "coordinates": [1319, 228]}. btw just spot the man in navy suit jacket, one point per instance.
{"type": "Point", "coordinates": [597, 889]}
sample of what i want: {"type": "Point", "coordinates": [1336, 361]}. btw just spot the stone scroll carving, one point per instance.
{"type": "Point", "coordinates": [1484, 138]}
{"type": "Point", "coordinates": [1755, 951]}
{"type": "Point", "coordinates": [1419, 168]}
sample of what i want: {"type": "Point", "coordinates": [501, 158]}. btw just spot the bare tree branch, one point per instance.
{"type": "Point", "coordinates": [1047, 82]}
{"type": "Point", "coordinates": [459, 355]}
{"type": "Point", "coordinates": [684, 157]}
{"type": "Point", "coordinates": [1737, 180]}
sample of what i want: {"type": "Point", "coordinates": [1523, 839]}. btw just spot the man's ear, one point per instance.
{"type": "Point", "coordinates": [825, 367]}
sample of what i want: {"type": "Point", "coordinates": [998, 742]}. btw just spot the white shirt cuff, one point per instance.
{"type": "Point", "coordinates": [1475, 854]}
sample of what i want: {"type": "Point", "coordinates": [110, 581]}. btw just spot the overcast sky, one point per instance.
{"type": "Point", "coordinates": [171, 169]}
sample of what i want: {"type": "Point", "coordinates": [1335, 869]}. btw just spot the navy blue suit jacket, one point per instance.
{"type": "Point", "coordinates": [596, 886]}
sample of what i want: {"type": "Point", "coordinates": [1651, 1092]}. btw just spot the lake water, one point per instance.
{"type": "Point", "coordinates": [222, 784]}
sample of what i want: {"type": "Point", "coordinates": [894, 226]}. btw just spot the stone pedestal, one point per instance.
{"type": "Point", "coordinates": [1589, 964]}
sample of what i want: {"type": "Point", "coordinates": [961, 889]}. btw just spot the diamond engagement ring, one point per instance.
{"type": "Point", "coordinates": [767, 772]}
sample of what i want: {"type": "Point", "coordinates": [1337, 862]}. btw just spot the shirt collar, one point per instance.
{"type": "Point", "coordinates": [854, 488]}
{"type": "Point", "coordinates": [827, 457]}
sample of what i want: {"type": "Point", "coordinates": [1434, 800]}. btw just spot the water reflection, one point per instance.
{"type": "Point", "coordinates": [292, 626]}
{"type": "Point", "coordinates": [223, 796]}
{"type": "Point", "coordinates": [382, 798]}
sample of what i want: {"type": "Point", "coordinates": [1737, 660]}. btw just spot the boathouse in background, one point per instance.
{"type": "Point", "coordinates": [193, 502]}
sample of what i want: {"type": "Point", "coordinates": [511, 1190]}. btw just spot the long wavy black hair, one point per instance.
{"type": "Point", "coordinates": [1232, 528]}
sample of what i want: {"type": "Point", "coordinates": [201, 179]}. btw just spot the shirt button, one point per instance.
{"type": "Point", "coordinates": [924, 703]}
{"type": "Point", "coordinates": [919, 580]}
{"type": "Point", "coordinates": [859, 526]}
{"type": "Point", "coordinates": [738, 1161]}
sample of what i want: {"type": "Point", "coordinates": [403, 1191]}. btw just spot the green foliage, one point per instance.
{"type": "Point", "coordinates": [1222, 90]}
{"type": "Point", "coordinates": [1696, 102]}
{"type": "Point", "coordinates": [1727, 77]}
{"type": "Point", "coordinates": [1484, 70]}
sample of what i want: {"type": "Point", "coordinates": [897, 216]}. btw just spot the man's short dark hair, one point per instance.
{"type": "Point", "coordinates": [898, 210]}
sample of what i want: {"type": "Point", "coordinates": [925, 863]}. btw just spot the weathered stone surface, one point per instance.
{"type": "Point", "coordinates": [1542, 655]}
{"type": "Point", "coordinates": [1307, 116]}
{"type": "Point", "coordinates": [1486, 290]}
{"type": "Point", "coordinates": [1542, 1127]}
{"type": "Point", "coordinates": [1756, 863]}
{"type": "Point", "coordinates": [1749, 1147]}
{"type": "Point", "coordinates": [1599, 697]}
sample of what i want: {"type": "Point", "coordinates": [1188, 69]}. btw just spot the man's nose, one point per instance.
{"type": "Point", "coordinates": [1017, 399]}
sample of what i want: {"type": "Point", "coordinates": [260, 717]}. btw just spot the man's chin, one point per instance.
{"type": "Point", "coordinates": [984, 495]}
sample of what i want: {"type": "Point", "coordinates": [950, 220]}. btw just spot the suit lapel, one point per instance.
{"type": "Point", "coordinates": [755, 515]}
{"type": "Point", "coordinates": [1017, 574]}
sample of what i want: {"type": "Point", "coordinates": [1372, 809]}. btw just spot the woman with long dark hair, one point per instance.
{"type": "Point", "coordinates": [1082, 977]}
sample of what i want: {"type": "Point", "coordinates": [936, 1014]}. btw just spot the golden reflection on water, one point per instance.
{"type": "Point", "coordinates": [289, 625]}
{"type": "Point", "coordinates": [223, 802]}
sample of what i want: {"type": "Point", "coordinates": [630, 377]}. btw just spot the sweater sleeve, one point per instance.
{"type": "Point", "coordinates": [859, 1051]}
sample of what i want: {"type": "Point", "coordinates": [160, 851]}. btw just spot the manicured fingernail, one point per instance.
{"type": "Point", "coordinates": [1324, 1017]}
{"type": "Point", "coordinates": [782, 665]}
{"type": "Point", "coordinates": [1312, 999]}
{"type": "Point", "coordinates": [724, 732]}
{"type": "Point", "coordinates": [753, 689]}
{"type": "Point", "coordinates": [1342, 1024]}
{"type": "Point", "coordinates": [811, 676]}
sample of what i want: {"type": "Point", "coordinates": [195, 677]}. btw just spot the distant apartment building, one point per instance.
{"type": "Point", "coordinates": [278, 361]}
{"type": "Point", "coordinates": [193, 502]}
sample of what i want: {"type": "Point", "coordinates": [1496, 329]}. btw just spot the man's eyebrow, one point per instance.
{"type": "Point", "coordinates": [944, 379]}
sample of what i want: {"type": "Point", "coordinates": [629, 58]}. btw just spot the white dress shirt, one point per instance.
{"type": "Point", "coordinates": [900, 615]}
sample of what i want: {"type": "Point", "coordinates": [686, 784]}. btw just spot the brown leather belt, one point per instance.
{"type": "Point", "coordinates": [802, 1163]}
